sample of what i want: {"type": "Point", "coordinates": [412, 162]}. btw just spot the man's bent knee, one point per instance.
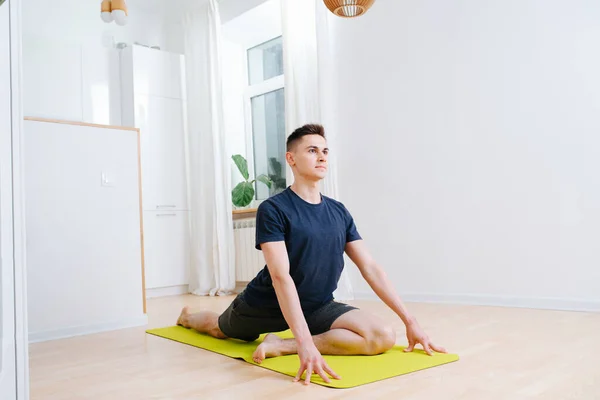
{"type": "Point", "coordinates": [215, 330]}
{"type": "Point", "coordinates": [217, 333]}
{"type": "Point", "coordinates": [380, 339]}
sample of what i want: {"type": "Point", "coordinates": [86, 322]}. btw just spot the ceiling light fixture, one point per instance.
{"type": "Point", "coordinates": [348, 8]}
{"type": "Point", "coordinates": [114, 10]}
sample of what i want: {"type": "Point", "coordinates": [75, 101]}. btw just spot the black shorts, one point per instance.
{"type": "Point", "coordinates": [241, 321]}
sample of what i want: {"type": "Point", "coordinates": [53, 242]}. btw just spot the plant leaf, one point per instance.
{"type": "Point", "coordinates": [242, 165]}
{"type": "Point", "coordinates": [275, 166]}
{"type": "Point", "coordinates": [242, 194]}
{"type": "Point", "coordinates": [264, 179]}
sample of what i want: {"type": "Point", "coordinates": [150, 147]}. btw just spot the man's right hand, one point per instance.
{"type": "Point", "coordinates": [312, 361]}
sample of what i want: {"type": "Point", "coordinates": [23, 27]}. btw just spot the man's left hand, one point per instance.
{"type": "Point", "coordinates": [415, 335]}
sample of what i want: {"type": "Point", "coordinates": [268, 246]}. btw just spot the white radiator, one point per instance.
{"type": "Point", "coordinates": [248, 260]}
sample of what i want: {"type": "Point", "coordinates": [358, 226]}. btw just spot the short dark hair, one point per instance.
{"type": "Point", "coordinates": [308, 129]}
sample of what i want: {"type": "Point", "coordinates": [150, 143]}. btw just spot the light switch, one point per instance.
{"type": "Point", "coordinates": [107, 181]}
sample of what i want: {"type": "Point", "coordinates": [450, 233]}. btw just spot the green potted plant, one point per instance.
{"type": "Point", "coordinates": [276, 176]}
{"type": "Point", "coordinates": [243, 193]}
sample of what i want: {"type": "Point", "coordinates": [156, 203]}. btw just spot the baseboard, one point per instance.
{"type": "Point", "coordinates": [497, 301]}
{"type": "Point", "coordinates": [167, 291]}
{"type": "Point", "coordinates": [35, 337]}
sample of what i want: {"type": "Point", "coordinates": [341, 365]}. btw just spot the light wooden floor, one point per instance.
{"type": "Point", "coordinates": [505, 354]}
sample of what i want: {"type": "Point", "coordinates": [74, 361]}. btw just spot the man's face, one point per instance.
{"type": "Point", "coordinates": [309, 157]}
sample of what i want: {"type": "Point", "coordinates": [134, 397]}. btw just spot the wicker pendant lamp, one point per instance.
{"type": "Point", "coordinates": [348, 8]}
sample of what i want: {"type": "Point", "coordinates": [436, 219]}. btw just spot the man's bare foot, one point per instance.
{"type": "Point", "coordinates": [270, 347]}
{"type": "Point", "coordinates": [203, 321]}
{"type": "Point", "coordinates": [183, 317]}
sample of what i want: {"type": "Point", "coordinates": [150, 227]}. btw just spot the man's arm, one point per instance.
{"type": "Point", "coordinates": [278, 264]}
{"type": "Point", "coordinates": [381, 285]}
{"type": "Point", "coordinates": [377, 279]}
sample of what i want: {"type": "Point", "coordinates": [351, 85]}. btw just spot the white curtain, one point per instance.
{"type": "Point", "coordinates": [307, 69]}
{"type": "Point", "coordinates": [212, 255]}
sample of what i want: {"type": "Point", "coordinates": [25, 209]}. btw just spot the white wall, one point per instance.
{"type": "Point", "coordinates": [84, 253]}
{"type": "Point", "coordinates": [70, 61]}
{"type": "Point", "coordinates": [79, 22]}
{"type": "Point", "coordinates": [469, 147]}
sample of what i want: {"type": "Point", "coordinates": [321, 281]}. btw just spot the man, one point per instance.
{"type": "Point", "coordinates": [303, 236]}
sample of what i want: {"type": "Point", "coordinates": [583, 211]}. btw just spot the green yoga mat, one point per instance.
{"type": "Point", "coordinates": [354, 370]}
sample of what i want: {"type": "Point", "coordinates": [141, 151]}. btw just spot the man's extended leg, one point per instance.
{"type": "Point", "coordinates": [204, 322]}
{"type": "Point", "coordinates": [353, 333]}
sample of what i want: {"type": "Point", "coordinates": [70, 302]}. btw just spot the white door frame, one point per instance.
{"type": "Point", "coordinates": [15, 170]}
{"type": "Point", "coordinates": [8, 361]}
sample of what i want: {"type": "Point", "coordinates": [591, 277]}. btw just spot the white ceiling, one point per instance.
{"type": "Point", "coordinates": [173, 9]}
{"type": "Point", "coordinates": [162, 6]}
{"type": "Point", "coordinates": [244, 29]}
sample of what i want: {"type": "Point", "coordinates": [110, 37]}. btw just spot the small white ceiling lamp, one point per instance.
{"type": "Point", "coordinates": [114, 10]}
{"type": "Point", "coordinates": [119, 12]}
{"type": "Point", "coordinates": [106, 11]}
{"type": "Point", "coordinates": [348, 8]}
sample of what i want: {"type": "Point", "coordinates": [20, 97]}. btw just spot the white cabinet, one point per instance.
{"type": "Point", "coordinates": [153, 99]}
{"type": "Point", "coordinates": [167, 244]}
{"type": "Point", "coordinates": [162, 126]}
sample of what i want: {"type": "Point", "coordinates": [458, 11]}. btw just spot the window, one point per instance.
{"type": "Point", "coordinates": [265, 61]}
{"type": "Point", "coordinates": [268, 134]}
{"type": "Point", "coordinates": [265, 118]}
{"type": "Point", "coordinates": [253, 96]}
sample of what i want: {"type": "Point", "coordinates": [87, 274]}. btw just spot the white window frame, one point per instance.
{"type": "Point", "coordinates": [251, 91]}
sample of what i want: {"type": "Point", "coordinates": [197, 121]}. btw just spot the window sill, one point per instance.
{"type": "Point", "coordinates": [244, 213]}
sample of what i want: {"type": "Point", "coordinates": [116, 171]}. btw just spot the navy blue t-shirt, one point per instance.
{"type": "Point", "coordinates": [315, 236]}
